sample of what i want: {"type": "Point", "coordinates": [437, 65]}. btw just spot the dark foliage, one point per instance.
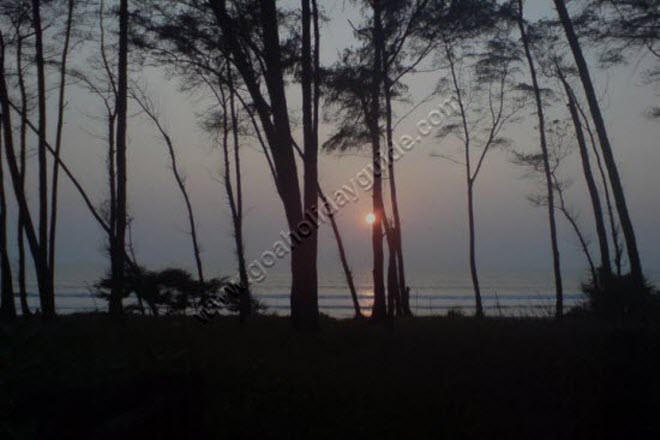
{"type": "Point", "coordinates": [618, 297]}
{"type": "Point", "coordinates": [175, 291]}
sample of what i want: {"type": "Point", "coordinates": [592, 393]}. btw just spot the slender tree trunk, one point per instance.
{"type": "Point", "coordinates": [22, 284]}
{"type": "Point", "coordinates": [473, 253]}
{"type": "Point", "coordinates": [393, 285]}
{"type": "Point", "coordinates": [236, 203]}
{"type": "Point", "coordinates": [58, 143]}
{"type": "Point", "coordinates": [45, 285]}
{"type": "Point", "coordinates": [310, 146]}
{"type": "Point", "coordinates": [398, 249]}
{"type": "Point", "coordinates": [147, 107]}
{"type": "Point", "coordinates": [119, 243]}
{"type": "Point", "coordinates": [601, 231]}
{"type": "Point", "coordinates": [112, 130]}
{"type": "Point", "coordinates": [12, 165]}
{"type": "Point", "coordinates": [7, 303]}
{"type": "Point", "coordinates": [614, 229]}
{"type": "Point", "coordinates": [578, 232]}
{"type": "Point", "coordinates": [342, 256]}
{"type": "Point", "coordinates": [559, 306]}
{"type": "Point", "coordinates": [469, 179]}
{"type": "Point", "coordinates": [606, 147]}
{"type": "Point", "coordinates": [274, 118]}
{"type": "Point", "coordinates": [304, 289]}
{"type": "Point", "coordinates": [112, 180]}
{"type": "Point", "coordinates": [14, 171]}
{"type": "Point", "coordinates": [379, 309]}
{"type": "Point", "coordinates": [328, 208]}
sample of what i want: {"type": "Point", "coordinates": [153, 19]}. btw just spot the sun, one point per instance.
{"type": "Point", "coordinates": [370, 218]}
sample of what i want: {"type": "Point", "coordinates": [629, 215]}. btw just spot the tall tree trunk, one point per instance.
{"type": "Point", "coordinates": [7, 303]}
{"type": "Point", "coordinates": [119, 243]}
{"type": "Point", "coordinates": [469, 180]}
{"type": "Point", "coordinates": [236, 198]}
{"type": "Point", "coordinates": [58, 142]}
{"type": "Point", "coordinates": [614, 229]}
{"type": "Point", "coordinates": [606, 147]}
{"type": "Point", "coordinates": [22, 284]}
{"type": "Point", "coordinates": [310, 146]}
{"type": "Point", "coordinates": [274, 118]}
{"type": "Point", "coordinates": [473, 254]}
{"type": "Point", "coordinates": [15, 174]}
{"type": "Point", "coordinates": [379, 309]}
{"type": "Point", "coordinates": [601, 231]}
{"type": "Point", "coordinates": [112, 131]}
{"type": "Point", "coordinates": [328, 208]}
{"type": "Point", "coordinates": [393, 285]}
{"type": "Point", "coordinates": [148, 108]}
{"type": "Point", "coordinates": [559, 291]}
{"type": "Point", "coordinates": [576, 228]}
{"type": "Point", "coordinates": [398, 240]}
{"type": "Point", "coordinates": [112, 181]}
{"type": "Point", "coordinates": [342, 256]}
{"type": "Point", "coordinates": [304, 290]}
{"type": "Point", "coordinates": [45, 285]}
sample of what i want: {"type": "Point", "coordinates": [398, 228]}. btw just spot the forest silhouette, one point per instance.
{"type": "Point", "coordinates": [196, 353]}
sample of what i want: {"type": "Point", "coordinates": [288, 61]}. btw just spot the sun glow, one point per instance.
{"type": "Point", "coordinates": [370, 218]}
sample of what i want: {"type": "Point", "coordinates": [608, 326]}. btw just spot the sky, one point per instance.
{"type": "Point", "coordinates": [512, 235]}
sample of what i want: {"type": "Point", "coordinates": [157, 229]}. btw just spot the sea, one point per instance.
{"type": "Point", "coordinates": [430, 295]}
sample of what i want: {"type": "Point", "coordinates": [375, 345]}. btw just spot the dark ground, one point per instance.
{"type": "Point", "coordinates": [89, 377]}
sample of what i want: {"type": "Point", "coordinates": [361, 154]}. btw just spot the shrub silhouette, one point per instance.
{"type": "Point", "coordinates": [619, 297]}
{"type": "Point", "coordinates": [174, 291]}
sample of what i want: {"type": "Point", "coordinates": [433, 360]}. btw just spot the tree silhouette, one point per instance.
{"type": "Point", "coordinates": [118, 245]}
{"type": "Point", "coordinates": [487, 102]}
{"type": "Point", "coordinates": [524, 35]}
{"type": "Point", "coordinates": [605, 145]}
{"type": "Point", "coordinates": [558, 152]}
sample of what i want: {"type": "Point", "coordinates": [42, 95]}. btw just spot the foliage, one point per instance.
{"type": "Point", "coordinates": [174, 291]}
{"type": "Point", "coordinates": [618, 297]}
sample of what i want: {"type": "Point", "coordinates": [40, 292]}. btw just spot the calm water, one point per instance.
{"type": "Point", "coordinates": [434, 294]}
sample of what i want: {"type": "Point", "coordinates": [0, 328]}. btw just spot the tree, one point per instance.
{"type": "Point", "coordinates": [484, 110]}
{"type": "Point", "coordinates": [599, 219]}
{"type": "Point", "coordinates": [16, 179]}
{"type": "Point", "coordinates": [615, 230]}
{"type": "Point", "coordinates": [19, 19]}
{"type": "Point", "coordinates": [605, 145]}
{"type": "Point", "coordinates": [624, 24]}
{"type": "Point", "coordinates": [349, 91]}
{"type": "Point", "coordinates": [273, 113]}
{"type": "Point", "coordinates": [354, 88]}
{"type": "Point", "coordinates": [559, 291]}
{"type": "Point", "coordinates": [222, 32]}
{"type": "Point", "coordinates": [100, 80]}
{"type": "Point", "coordinates": [68, 27]}
{"type": "Point", "coordinates": [140, 96]}
{"type": "Point", "coordinates": [119, 242]}
{"type": "Point", "coordinates": [621, 28]}
{"type": "Point", "coordinates": [402, 24]}
{"type": "Point", "coordinates": [7, 304]}
{"type": "Point", "coordinates": [229, 124]}
{"type": "Point", "coordinates": [310, 89]}
{"type": "Point", "coordinates": [44, 277]}
{"type": "Point", "coordinates": [558, 154]}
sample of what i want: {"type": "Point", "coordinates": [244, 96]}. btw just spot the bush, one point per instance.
{"type": "Point", "coordinates": [619, 297]}
{"type": "Point", "coordinates": [174, 291]}
{"type": "Point", "coordinates": [455, 312]}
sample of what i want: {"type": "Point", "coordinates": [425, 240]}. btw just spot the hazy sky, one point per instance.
{"type": "Point", "coordinates": [512, 235]}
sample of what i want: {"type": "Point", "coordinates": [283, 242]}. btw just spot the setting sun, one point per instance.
{"type": "Point", "coordinates": [370, 218]}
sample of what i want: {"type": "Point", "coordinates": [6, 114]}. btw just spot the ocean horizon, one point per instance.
{"type": "Point", "coordinates": [430, 295]}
